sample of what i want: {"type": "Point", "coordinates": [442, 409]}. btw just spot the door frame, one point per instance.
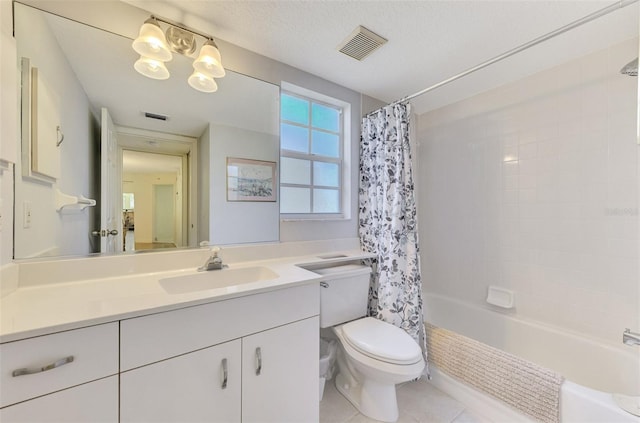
{"type": "Point", "coordinates": [110, 186]}
{"type": "Point", "coordinates": [176, 145]}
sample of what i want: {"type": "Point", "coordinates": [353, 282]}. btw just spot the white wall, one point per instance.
{"type": "Point", "coordinates": [533, 186]}
{"type": "Point", "coordinates": [8, 128]}
{"type": "Point", "coordinates": [52, 232]}
{"type": "Point", "coordinates": [233, 222]}
{"type": "Point", "coordinates": [204, 184]}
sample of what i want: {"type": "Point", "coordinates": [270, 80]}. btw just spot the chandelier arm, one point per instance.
{"type": "Point", "coordinates": [184, 28]}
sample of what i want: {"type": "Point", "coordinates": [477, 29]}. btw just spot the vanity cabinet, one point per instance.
{"type": "Point", "coordinates": [65, 376]}
{"type": "Point", "coordinates": [248, 359]}
{"type": "Point", "coordinates": [174, 363]}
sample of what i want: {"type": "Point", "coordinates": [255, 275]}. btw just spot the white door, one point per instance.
{"type": "Point", "coordinates": [92, 402]}
{"type": "Point", "coordinates": [280, 374]}
{"type": "Point", "coordinates": [110, 188]}
{"type": "Point", "coordinates": [164, 221]}
{"type": "Point", "coordinates": [196, 387]}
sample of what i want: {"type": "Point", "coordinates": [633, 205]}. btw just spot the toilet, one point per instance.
{"type": "Point", "coordinates": [374, 356]}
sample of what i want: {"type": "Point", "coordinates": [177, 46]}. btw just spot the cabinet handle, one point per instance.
{"type": "Point", "coordinates": [224, 373]}
{"type": "Point", "coordinates": [54, 365]}
{"type": "Point", "coordinates": [258, 361]}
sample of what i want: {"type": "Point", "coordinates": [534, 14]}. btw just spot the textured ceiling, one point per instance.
{"type": "Point", "coordinates": [429, 41]}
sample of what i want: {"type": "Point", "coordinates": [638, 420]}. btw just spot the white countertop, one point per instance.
{"type": "Point", "coordinates": [46, 308]}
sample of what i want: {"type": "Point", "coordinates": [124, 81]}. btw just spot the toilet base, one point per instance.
{"type": "Point", "coordinates": [374, 400]}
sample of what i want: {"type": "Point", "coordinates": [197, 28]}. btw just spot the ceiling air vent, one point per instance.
{"type": "Point", "coordinates": [155, 116]}
{"type": "Point", "coordinates": [361, 43]}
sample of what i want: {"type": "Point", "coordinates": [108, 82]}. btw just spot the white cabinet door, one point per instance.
{"type": "Point", "coordinates": [280, 374]}
{"type": "Point", "coordinates": [187, 388]}
{"type": "Point", "coordinates": [92, 402]}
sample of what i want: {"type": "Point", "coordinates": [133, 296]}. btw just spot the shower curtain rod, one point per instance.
{"type": "Point", "coordinates": [592, 16]}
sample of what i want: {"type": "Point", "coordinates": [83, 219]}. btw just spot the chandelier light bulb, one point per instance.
{"type": "Point", "coordinates": [151, 68]}
{"type": "Point", "coordinates": [209, 61]}
{"type": "Point", "coordinates": [151, 42]}
{"type": "Point", "coordinates": [202, 82]}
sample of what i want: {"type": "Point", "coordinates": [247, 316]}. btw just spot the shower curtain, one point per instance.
{"type": "Point", "coordinates": [388, 220]}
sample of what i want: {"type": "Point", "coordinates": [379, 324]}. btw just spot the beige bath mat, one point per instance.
{"type": "Point", "coordinates": [525, 386]}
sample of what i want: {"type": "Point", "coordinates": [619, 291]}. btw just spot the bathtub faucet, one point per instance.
{"type": "Point", "coordinates": [630, 338]}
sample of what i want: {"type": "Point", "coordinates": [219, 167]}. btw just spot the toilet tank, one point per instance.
{"type": "Point", "coordinates": [344, 293]}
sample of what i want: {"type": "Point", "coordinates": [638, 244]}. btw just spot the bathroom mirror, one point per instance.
{"type": "Point", "coordinates": [86, 76]}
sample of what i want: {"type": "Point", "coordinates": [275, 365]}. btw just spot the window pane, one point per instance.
{"type": "Point", "coordinates": [325, 201]}
{"type": "Point", "coordinates": [294, 109]}
{"type": "Point", "coordinates": [325, 144]}
{"type": "Point", "coordinates": [295, 171]}
{"type": "Point", "coordinates": [325, 174]}
{"type": "Point", "coordinates": [294, 138]}
{"type": "Point", "coordinates": [295, 200]}
{"type": "Point", "coordinates": [324, 117]}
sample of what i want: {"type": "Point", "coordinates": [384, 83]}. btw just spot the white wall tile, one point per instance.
{"type": "Point", "coordinates": [540, 197]}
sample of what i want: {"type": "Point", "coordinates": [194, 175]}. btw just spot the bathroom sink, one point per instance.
{"type": "Point", "coordinates": [216, 279]}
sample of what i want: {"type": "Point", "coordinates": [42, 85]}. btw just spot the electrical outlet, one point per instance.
{"type": "Point", "coordinates": [26, 217]}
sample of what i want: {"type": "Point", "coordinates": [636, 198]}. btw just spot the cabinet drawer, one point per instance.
{"type": "Point", "coordinates": [148, 339]}
{"type": "Point", "coordinates": [92, 402]}
{"type": "Point", "coordinates": [70, 358]}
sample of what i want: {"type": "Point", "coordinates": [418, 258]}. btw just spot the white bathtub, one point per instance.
{"type": "Point", "coordinates": [593, 370]}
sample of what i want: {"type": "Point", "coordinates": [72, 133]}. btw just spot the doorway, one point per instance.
{"type": "Point", "coordinates": [155, 219]}
{"type": "Point", "coordinates": [158, 169]}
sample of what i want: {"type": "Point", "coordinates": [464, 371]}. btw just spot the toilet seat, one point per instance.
{"type": "Point", "coordinates": [382, 341]}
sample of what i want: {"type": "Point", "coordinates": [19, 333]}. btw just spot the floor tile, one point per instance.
{"type": "Point", "coordinates": [334, 408]}
{"type": "Point", "coordinates": [428, 404]}
{"type": "Point", "coordinates": [466, 417]}
{"type": "Point", "coordinates": [419, 402]}
{"type": "Point", "coordinates": [403, 418]}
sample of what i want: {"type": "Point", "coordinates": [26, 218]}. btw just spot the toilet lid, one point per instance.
{"type": "Point", "coordinates": [382, 341]}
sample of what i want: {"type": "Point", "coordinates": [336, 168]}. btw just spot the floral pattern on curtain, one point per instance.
{"type": "Point", "coordinates": [388, 220]}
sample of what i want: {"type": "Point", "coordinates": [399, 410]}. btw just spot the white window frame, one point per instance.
{"type": "Point", "coordinates": [344, 161]}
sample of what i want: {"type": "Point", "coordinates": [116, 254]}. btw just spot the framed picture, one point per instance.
{"type": "Point", "coordinates": [251, 180]}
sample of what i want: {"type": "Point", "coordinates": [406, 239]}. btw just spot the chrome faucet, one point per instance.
{"type": "Point", "coordinates": [214, 262]}
{"type": "Point", "coordinates": [630, 338]}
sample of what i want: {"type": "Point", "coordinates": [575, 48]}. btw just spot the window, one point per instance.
{"type": "Point", "coordinates": [312, 156]}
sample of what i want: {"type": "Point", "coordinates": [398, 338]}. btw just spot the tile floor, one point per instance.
{"type": "Point", "coordinates": [419, 402]}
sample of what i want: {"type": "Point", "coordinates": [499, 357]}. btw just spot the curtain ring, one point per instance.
{"type": "Point", "coordinates": [60, 136]}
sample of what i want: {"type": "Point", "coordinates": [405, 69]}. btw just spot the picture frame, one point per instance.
{"type": "Point", "coordinates": [251, 180]}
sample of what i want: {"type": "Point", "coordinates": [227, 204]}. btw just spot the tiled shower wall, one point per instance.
{"type": "Point", "coordinates": [533, 187]}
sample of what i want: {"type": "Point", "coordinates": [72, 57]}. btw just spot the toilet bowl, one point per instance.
{"type": "Point", "coordinates": [374, 356]}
